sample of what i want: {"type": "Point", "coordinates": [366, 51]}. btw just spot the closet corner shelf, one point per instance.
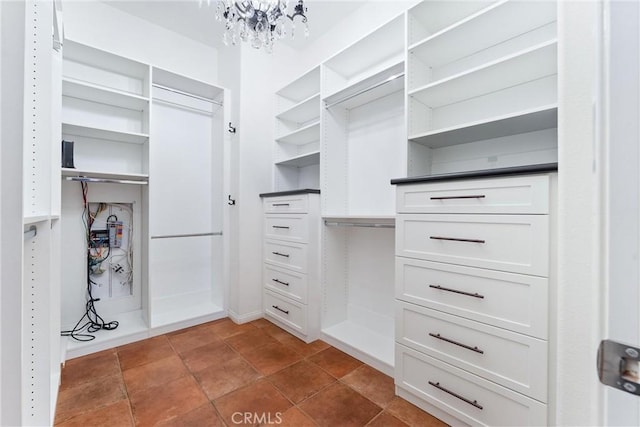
{"type": "Point", "coordinates": [302, 112]}
{"type": "Point", "coordinates": [302, 136]}
{"type": "Point", "coordinates": [302, 88]}
{"type": "Point", "coordinates": [106, 134]}
{"type": "Point", "coordinates": [95, 93]}
{"type": "Point", "coordinates": [531, 120]}
{"type": "Point", "coordinates": [34, 219]}
{"type": "Point", "coordinates": [301, 161]}
{"type": "Point", "coordinates": [134, 177]}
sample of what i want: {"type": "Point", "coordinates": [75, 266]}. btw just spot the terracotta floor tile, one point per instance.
{"type": "Point", "coordinates": [167, 401]}
{"type": "Point", "coordinates": [302, 347]}
{"type": "Point", "coordinates": [276, 332]}
{"type": "Point", "coordinates": [260, 400]}
{"type": "Point", "coordinates": [204, 416]}
{"type": "Point", "coordinates": [336, 362]}
{"type": "Point", "coordinates": [89, 396]}
{"type": "Point", "coordinates": [226, 328]}
{"type": "Point", "coordinates": [339, 405]}
{"type": "Point", "coordinates": [89, 368]}
{"type": "Point", "coordinates": [207, 355]}
{"type": "Point", "coordinates": [248, 341]}
{"type": "Point", "coordinates": [272, 358]}
{"type": "Point", "coordinates": [294, 417]}
{"type": "Point", "coordinates": [301, 380]}
{"type": "Point", "coordinates": [411, 414]}
{"type": "Point", "coordinates": [226, 376]}
{"type": "Point", "coordinates": [385, 419]}
{"type": "Point", "coordinates": [193, 338]}
{"type": "Point", "coordinates": [154, 374]}
{"type": "Point", "coordinates": [372, 384]}
{"type": "Point", "coordinates": [141, 352]}
{"type": "Point", "coordinates": [116, 414]}
{"type": "Point", "coordinates": [261, 323]}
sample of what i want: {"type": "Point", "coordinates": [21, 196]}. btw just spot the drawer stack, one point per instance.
{"type": "Point", "coordinates": [472, 291]}
{"type": "Point", "coordinates": [290, 271]}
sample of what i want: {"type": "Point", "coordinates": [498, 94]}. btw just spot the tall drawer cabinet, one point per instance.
{"type": "Point", "coordinates": [473, 285]}
{"type": "Point", "coordinates": [291, 261]}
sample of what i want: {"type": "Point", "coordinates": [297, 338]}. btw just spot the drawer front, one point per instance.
{"type": "Point", "coordinates": [291, 204]}
{"type": "Point", "coordinates": [512, 301]}
{"type": "Point", "coordinates": [289, 227]}
{"type": "Point", "coordinates": [515, 243]}
{"type": "Point", "coordinates": [292, 256]}
{"type": "Point", "coordinates": [521, 195]}
{"type": "Point", "coordinates": [285, 282]}
{"type": "Point", "coordinates": [286, 311]}
{"type": "Point", "coordinates": [468, 397]}
{"type": "Point", "coordinates": [513, 360]}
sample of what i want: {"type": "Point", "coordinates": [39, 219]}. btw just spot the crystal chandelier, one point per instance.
{"type": "Point", "coordinates": [259, 22]}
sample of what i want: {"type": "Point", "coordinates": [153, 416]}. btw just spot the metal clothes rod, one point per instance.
{"type": "Point", "coordinates": [173, 236]}
{"type": "Point", "coordinates": [360, 92]}
{"type": "Point", "coordinates": [358, 224]}
{"type": "Point", "coordinates": [30, 233]}
{"type": "Point", "coordinates": [105, 180]}
{"type": "Point", "coordinates": [185, 107]}
{"type": "Point", "coordinates": [190, 95]}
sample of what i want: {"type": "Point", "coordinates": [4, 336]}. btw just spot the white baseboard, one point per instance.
{"type": "Point", "coordinates": [244, 318]}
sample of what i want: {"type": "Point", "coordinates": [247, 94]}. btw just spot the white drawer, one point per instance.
{"type": "Point", "coordinates": [288, 255]}
{"type": "Point", "coordinates": [512, 301]}
{"type": "Point", "coordinates": [298, 203]}
{"type": "Point", "coordinates": [521, 195]}
{"type": "Point", "coordinates": [516, 243]}
{"type": "Point", "coordinates": [286, 311]}
{"type": "Point", "coordinates": [290, 227]}
{"type": "Point", "coordinates": [513, 360]}
{"type": "Point", "coordinates": [285, 282]}
{"type": "Point", "coordinates": [471, 399]}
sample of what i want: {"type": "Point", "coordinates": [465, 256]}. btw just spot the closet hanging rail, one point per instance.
{"type": "Point", "coordinates": [105, 180]}
{"type": "Point", "coordinates": [358, 224]}
{"type": "Point", "coordinates": [173, 236]}
{"type": "Point", "coordinates": [190, 95]}
{"type": "Point", "coordinates": [365, 90]}
{"type": "Point", "coordinates": [30, 233]}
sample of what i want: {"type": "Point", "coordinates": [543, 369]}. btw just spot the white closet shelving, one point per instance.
{"type": "Point", "coordinates": [297, 147]}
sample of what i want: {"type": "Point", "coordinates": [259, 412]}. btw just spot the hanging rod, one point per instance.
{"type": "Point", "coordinates": [105, 180]}
{"type": "Point", "coordinates": [30, 233]}
{"type": "Point", "coordinates": [190, 95]}
{"type": "Point", "coordinates": [173, 236]}
{"type": "Point", "coordinates": [367, 89]}
{"type": "Point", "coordinates": [358, 224]}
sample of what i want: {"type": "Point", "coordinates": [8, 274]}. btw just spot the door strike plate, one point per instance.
{"type": "Point", "coordinates": [619, 366]}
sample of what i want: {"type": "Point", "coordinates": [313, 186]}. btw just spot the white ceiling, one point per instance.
{"type": "Point", "coordinates": [189, 18]}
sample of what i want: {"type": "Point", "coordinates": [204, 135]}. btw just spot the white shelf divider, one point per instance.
{"type": "Point", "coordinates": [106, 134]}
{"type": "Point", "coordinates": [304, 135]}
{"type": "Point", "coordinates": [303, 112]}
{"type": "Point", "coordinates": [307, 159]}
{"type": "Point", "coordinates": [95, 93]}
{"type": "Point", "coordinates": [104, 175]}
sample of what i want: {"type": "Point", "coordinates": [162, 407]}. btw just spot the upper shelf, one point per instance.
{"type": "Point", "coordinates": [302, 88]}
{"type": "Point", "coordinates": [71, 172]}
{"type": "Point", "coordinates": [304, 111]}
{"type": "Point", "coordinates": [88, 91]}
{"type": "Point", "coordinates": [382, 83]}
{"type": "Point", "coordinates": [303, 135]}
{"type": "Point", "coordinates": [521, 67]}
{"type": "Point", "coordinates": [302, 160]}
{"type": "Point", "coordinates": [107, 134]}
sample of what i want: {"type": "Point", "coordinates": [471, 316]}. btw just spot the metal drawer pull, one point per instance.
{"type": "Point", "coordinates": [455, 291]}
{"type": "Point", "coordinates": [468, 347]}
{"type": "Point", "coordinates": [280, 204]}
{"type": "Point", "coordinates": [454, 239]}
{"type": "Point", "coordinates": [280, 226]}
{"type": "Point", "coordinates": [477, 196]}
{"type": "Point", "coordinates": [279, 309]}
{"type": "Point", "coordinates": [281, 282]}
{"type": "Point", "coordinates": [464, 399]}
{"type": "Point", "coordinates": [279, 254]}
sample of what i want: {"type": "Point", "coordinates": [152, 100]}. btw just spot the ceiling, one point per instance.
{"type": "Point", "coordinates": [189, 18]}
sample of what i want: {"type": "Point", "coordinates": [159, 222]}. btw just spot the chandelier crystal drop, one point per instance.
{"type": "Point", "coordinates": [258, 22]}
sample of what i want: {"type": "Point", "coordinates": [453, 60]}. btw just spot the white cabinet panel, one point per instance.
{"type": "Point", "coordinates": [181, 164]}
{"type": "Point", "coordinates": [285, 282]}
{"type": "Point", "coordinates": [292, 228]}
{"type": "Point", "coordinates": [286, 311]}
{"type": "Point", "coordinates": [292, 256]}
{"type": "Point", "coordinates": [297, 203]}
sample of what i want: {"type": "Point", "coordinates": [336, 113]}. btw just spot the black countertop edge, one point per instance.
{"type": "Point", "coordinates": [485, 173]}
{"type": "Point", "coordinates": [291, 192]}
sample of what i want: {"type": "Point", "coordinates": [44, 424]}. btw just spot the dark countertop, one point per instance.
{"type": "Point", "coordinates": [485, 173]}
{"type": "Point", "coordinates": [291, 192]}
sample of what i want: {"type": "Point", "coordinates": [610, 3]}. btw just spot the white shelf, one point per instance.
{"type": "Point", "coordinates": [106, 134]}
{"type": "Point", "coordinates": [301, 161]}
{"type": "Point", "coordinates": [104, 175]}
{"type": "Point", "coordinates": [364, 218]}
{"type": "Point", "coordinates": [378, 85]}
{"type": "Point", "coordinates": [173, 310]}
{"type": "Point", "coordinates": [34, 219]}
{"type": "Point", "coordinates": [303, 87]}
{"type": "Point", "coordinates": [302, 136]}
{"type": "Point", "coordinates": [496, 24]}
{"type": "Point", "coordinates": [528, 65]}
{"type": "Point", "coordinates": [304, 111]}
{"type": "Point", "coordinates": [91, 92]}
{"type": "Point", "coordinates": [188, 85]}
{"type": "Point", "coordinates": [495, 127]}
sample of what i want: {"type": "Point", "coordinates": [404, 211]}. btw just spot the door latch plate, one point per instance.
{"type": "Point", "coordinates": [619, 366]}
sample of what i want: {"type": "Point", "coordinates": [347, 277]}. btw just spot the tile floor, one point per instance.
{"type": "Point", "coordinates": [223, 374]}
